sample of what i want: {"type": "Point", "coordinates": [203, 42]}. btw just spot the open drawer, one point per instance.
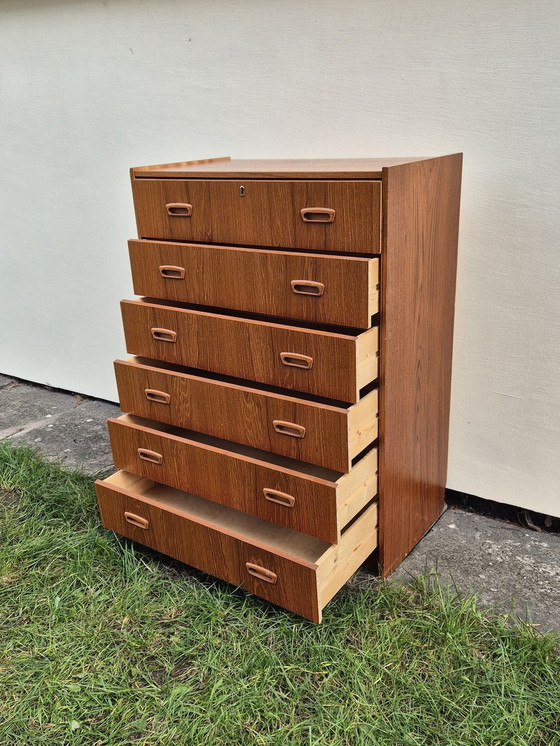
{"type": "Point", "coordinates": [326, 363]}
{"type": "Point", "coordinates": [310, 429]}
{"type": "Point", "coordinates": [299, 572]}
{"type": "Point", "coordinates": [306, 498]}
{"type": "Point", "coordinates": [321, 288]}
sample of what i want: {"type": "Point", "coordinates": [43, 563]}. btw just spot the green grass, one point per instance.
{"type": "Point", "coordinates": [104, 642]}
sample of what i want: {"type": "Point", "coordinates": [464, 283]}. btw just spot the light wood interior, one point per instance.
{"type": "Point", "coordinates": [356, 488]}
{"type": "Point", "coordinates": [373, 288]}
{"type": "Point", "coordinates": [367, 357]}
{"type": "Point", "coordinates": [363, 423]}
{"type": "Point", "coordinates": [341, 561]}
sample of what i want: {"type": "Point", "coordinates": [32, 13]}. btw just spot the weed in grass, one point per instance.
{"type": "Point", "coordinates": [104, 643]}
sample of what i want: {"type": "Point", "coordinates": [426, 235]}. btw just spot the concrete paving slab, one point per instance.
{"type": "Point", "coordinates": [77, 438]}
{"type": "Point", "coordinates": [504, 564]}
{"type": "Point", "coordinates": [5, 380]}
{"type": "Point", "coordinates": [24, 406]}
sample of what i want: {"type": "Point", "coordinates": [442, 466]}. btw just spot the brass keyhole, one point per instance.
{"type": "Point", "coordinates": [241, 191]}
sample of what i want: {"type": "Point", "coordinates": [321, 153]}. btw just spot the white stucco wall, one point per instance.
{"type": "Point", "coordinates": [88, 89]}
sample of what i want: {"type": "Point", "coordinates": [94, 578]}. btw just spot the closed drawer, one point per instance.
{"type": "Point", "coordinates": [298, 572]}
{"type": "Point", "coordinates": [329, 364]}
{"type": "Point", "coordinates": [324, 215]}
{"type": "Point", "coordinates": [314, 287]}
{"type": "Point", "coordinates": [305, 429]}
{"type": "Point", "coordinates": [306, 498]}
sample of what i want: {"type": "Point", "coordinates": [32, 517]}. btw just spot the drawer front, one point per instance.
{"type": "Point", "coordinates": [274, 494]}
{"type": "Point", "coordinates": [322, 363]}
{"type": "Point", "coordinates": [323, 215]}
{"type": "Point", "coordinates": [320, 288]}
{"type": "Point", "coordinates": [332, 436]}
{"type": "Point", "coordinates": [216, 552]}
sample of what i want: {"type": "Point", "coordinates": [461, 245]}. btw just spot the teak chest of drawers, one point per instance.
{"type": "Point", "coordinates": [288, 397]}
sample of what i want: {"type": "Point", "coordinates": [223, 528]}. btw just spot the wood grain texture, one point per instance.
{"type": "Point", "coordinates": [251, 349]}
{"type": "Point", "coordinates": [269, 213]}
{"type": "Point", "coordinates": [323, 501]}
{"type": "Point", "coordinates": [421, 215]}
{"type": "Point", "coordinates": [303, 168]}
{"type": "Point", "coordinates": [222, 541]}
{"type": "Point", "coordinates": [259, 281]}
{"type": "Point", "coordinates": [245, 415]}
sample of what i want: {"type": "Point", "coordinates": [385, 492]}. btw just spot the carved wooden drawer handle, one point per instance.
{"type": "Point", "coordinates": [152, 456]}
{"type": "Point", "coordinates": [317, 215]}
{"type": "Point", "coordinates": [136, 520]}
{"type": "Point", "coordinates": [169, 272]}
{"type": "Point", "coordinates": [280, 498]}
{"type": "Point", "coordinates": [261, 573]}
{"type": "Point", "coordinates": [289, 428]}
{"type": "Point", "coordinates": [307, 287]}
{"type": "Point", "coordinates": [179, 209]}
{"type": "Point", "coordinates": [295, 360]}
{"type": "Point", "coordinates": [159, 397]}
{"type": "Point", "coordinates": [164, 335]}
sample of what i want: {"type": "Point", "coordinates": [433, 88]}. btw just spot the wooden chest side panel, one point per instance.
{"type": "Point", "coordinates": [421, 217]}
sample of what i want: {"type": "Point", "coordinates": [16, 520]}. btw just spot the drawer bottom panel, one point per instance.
{"type": "Point", "coordinates": [295, 571]}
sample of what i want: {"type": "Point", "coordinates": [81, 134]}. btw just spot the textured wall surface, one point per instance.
{"type": "Point", "coordinates": [88, 89]}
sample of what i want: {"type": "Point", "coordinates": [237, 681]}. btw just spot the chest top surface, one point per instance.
{"type": "Point", "coordinates": [227, 168]}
